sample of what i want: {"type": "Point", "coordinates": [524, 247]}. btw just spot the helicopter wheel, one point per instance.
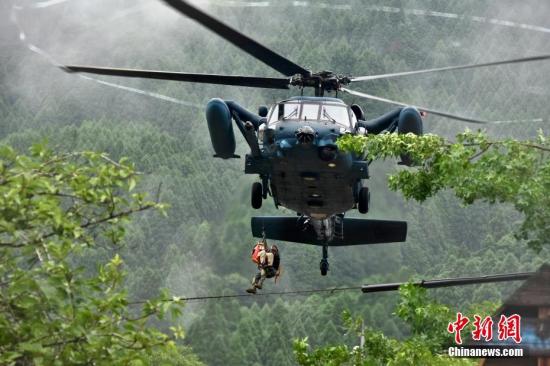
{"type": "Point", "coordinates": [256, 195]}
{"type": "Point", "coordinates": [324, 267]}
{"type": "Point", "coordinates": [364, 200]}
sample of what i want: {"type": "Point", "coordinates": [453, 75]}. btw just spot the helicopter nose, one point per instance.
{"type": "Point", "coordinates": [305, 135]}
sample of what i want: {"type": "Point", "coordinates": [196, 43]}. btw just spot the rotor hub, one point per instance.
{"type": "Point", "coordinates": [321, 81]}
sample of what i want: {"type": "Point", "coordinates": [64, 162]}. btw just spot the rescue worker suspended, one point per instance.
{"type": "Point", "coordinates": [268, 261]}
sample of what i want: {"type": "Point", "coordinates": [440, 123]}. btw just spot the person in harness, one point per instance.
{"type": "Point", "coordinates": [269, 264]}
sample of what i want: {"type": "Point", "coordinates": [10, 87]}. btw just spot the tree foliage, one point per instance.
{"type": "Point", "coordinates": [427, 321]}
{"type": "Point", "coordinates": [56, 309]}
{"type": "Point", "coordinates": [475, 167]}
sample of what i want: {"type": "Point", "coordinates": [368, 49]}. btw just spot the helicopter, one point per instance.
{"type": "Point", "coordinates": [292, 143]}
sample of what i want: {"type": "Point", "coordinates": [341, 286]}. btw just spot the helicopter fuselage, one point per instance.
{"type": "Point", "coordinates": [293, 150]}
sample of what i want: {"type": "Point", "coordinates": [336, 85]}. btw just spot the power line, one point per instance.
{"type": "Point", "coordinates": [280, 293]}
{"type": "Point", "coordinates": [445, 282]}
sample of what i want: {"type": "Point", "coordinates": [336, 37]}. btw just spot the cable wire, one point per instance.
{"type": "Point", "coordinates": [443, 282]}
{"type": "Point", "coordinates": [262, 294]}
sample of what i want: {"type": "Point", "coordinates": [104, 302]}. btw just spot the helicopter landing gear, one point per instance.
{"type": "Point", "coordinates": [364, 200]}
{"type": "Point", "coordinates": [324, 262]}
{"type": "Point", "coordinates": [256, 195]}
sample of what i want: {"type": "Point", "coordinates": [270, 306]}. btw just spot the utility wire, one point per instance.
{"type": "Point", "coordinates": [444, 282]}
{"type": "Point", "coordinates": [280, 293]}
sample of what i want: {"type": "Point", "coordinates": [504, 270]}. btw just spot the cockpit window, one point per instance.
{"type": "Point", "coordinates": [289, 111]}
{"type": "Point", "coordinates": [326, 116]}
{"type": "Point", "coordinates": [335, 114]}
{"type": "Point", "coordinates": [310, 112]}
{"type": "Point", "coordinates": [329, 113]}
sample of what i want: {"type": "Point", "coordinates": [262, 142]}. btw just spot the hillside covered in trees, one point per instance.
{"type": "Point", "coordinates": [202, 246]}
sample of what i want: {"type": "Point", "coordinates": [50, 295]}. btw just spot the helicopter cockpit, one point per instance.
{"type": "Point", "coordinates": [327, 111]}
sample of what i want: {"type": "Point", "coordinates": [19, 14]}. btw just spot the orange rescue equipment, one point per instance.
{"type": "Point", "coordinates": [255, 256]}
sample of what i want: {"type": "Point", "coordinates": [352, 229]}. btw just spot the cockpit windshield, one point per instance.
{"type": "Point", "coordinates": [310, 112]}
{"type": "Point", "coordinates": [335, 114]}
{"type": "Point", "coordinates": [289, 111]}
{"type": "Point", "coordinates": [325, 112]}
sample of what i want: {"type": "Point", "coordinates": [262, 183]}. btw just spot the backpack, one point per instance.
{"type": "Point", "coordinates": [255, 256]}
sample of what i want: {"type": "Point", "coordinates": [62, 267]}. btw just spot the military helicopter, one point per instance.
{"type": "Point", "coordinates": [293, 143]}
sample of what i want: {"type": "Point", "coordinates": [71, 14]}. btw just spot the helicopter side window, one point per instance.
{"type": "Point", "coordinates": [310, 112]}
{"type": "Point", "coordinates": [274, 113]}
{"type": "Point", "coordinates": [335, 114]}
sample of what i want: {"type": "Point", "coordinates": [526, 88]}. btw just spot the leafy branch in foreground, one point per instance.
{"type": "Point", "coordinates": [427, 321]}
{"type": "Point", "coordinates": [54, 209]}
{"type": "Point", "coordinates": [475, 167]}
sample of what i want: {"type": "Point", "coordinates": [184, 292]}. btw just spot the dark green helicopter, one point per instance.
{"type": "Point", "coordinates": [293, 143]}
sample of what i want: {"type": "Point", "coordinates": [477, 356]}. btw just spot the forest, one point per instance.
{"type": "Point", "coordinates": [190, 236]}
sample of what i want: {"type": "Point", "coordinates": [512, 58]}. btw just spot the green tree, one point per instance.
{"type": "Point", "coordinates": [55, 307]}
{"type": "Point", "coordinates": [475, 168]}
{"type": "Point", "coordinates": [427, 321]}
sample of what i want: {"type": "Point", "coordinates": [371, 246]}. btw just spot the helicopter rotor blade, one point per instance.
{"type": "Point", "coordinates": [245, 43]}
{"type": "Point", "coordinates": [422, 109]}
{"type": "Point", "coordinates": [450, 68]}
{"type": "Point", "coordinates": [251, 81]}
